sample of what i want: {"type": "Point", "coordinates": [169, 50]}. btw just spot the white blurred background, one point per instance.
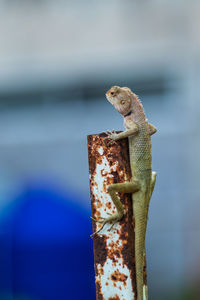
{"type": "Point", "coordinates": [57, 60]}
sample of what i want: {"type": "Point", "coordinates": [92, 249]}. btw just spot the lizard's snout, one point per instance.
{"type": "Point", "coordinates": [113, 91]}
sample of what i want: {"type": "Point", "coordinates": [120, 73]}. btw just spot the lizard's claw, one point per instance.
{"type": "Point", "coordinates": [114, 132]}
{"type": "Point", "coordinates": [111, 227]}
{"type": "Point", "coordinates": [108, 132]}
{"type": "Point", "coordinates": [98, 221]}
{"type": "Point", "coordinates": [111, 135]}
{"type": "Point", "coordinates": [102, 226]}
{"type": "Point", "coordinates": [100, 218]}
{"type": "Point", "coordinates": [113, 218]}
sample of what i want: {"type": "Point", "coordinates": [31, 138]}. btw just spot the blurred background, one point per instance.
{"type": "Point", "coordinates": [57, 60]}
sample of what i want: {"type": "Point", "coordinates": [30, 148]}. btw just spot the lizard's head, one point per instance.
{"type": "Point", "coordinates": [121, 99]}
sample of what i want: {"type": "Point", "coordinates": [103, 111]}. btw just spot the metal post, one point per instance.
{"type": "Point", "coordinates": [114, 255]}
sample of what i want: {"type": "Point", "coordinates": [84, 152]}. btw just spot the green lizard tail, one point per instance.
{"type": "Point", "coordinates": [140, 229]}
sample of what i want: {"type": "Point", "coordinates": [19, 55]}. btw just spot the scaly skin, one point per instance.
{"type": "Point", "coordinates": [143, 179]}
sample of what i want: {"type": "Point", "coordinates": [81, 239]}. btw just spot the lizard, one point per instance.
{"type": "Point", "coordinates": [138, 131]}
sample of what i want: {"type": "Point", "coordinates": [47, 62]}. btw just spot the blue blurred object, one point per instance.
{"type": "Point", "coordinates": [46, 252]}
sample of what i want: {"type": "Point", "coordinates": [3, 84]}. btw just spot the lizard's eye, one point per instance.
{"type": "Point", "coordinates": [112, 93]}
{"type": "Point", "coordinates": [122, 102]}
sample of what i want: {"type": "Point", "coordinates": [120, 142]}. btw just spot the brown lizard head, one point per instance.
{"type": "Point", "coordinates": [125, 102]}
{"type": "Point", "coordinates": [121, 99]}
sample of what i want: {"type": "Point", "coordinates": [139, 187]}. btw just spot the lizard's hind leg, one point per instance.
{"type": "Point", "coordinates": [125, 187]}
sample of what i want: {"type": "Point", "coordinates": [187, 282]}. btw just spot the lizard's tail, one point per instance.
{"type": "Point", "coordinates": [140, 230]}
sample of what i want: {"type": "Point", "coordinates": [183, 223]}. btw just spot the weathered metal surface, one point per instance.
{"type": "Point", "coordinates": [114, 254]}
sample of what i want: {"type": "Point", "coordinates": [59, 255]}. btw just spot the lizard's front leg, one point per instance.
{"type": "Point", "coordinates": [113, 136]}
{"type": "Point", "coordinates": [126, 187]}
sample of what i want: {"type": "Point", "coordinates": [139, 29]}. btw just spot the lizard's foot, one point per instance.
{"type": "Point", "coordinates": [111, 135]}
{"type": "Point", "coordinates": [113, 218]}
{"type": "Point", "coordinates": [108, 132]}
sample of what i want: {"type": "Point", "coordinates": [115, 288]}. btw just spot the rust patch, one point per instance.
{"type": "Point", "coordinates": [99, 295]}
{"type": "Point", "coordinates": [99, 205]}
{"type": "Point", "coordinates": [108, 205]}
{"type": "Point", "coordinates": [114, 298]}
{"type": "Point", "coordinates": [117, 276]}
{"type": "Point", "coordinates": [100, 249]}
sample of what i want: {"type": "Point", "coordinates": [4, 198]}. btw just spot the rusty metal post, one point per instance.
{"type": "Point", "coordinates": [114, 253]}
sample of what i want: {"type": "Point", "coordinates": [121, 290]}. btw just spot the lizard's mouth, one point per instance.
{"type": "Point", "coordinates": [110, 98]}
{"type": "Point", "coordinates": [128, 114]}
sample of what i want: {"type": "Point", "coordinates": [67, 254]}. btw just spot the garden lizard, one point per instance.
{"type": "Point", "coordinates": [138, 131]}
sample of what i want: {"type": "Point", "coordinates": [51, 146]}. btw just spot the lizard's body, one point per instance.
{"type": "Point", "coordinates": [142, 182]}
{"type": "Point", "coordinates": [141, 170]}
